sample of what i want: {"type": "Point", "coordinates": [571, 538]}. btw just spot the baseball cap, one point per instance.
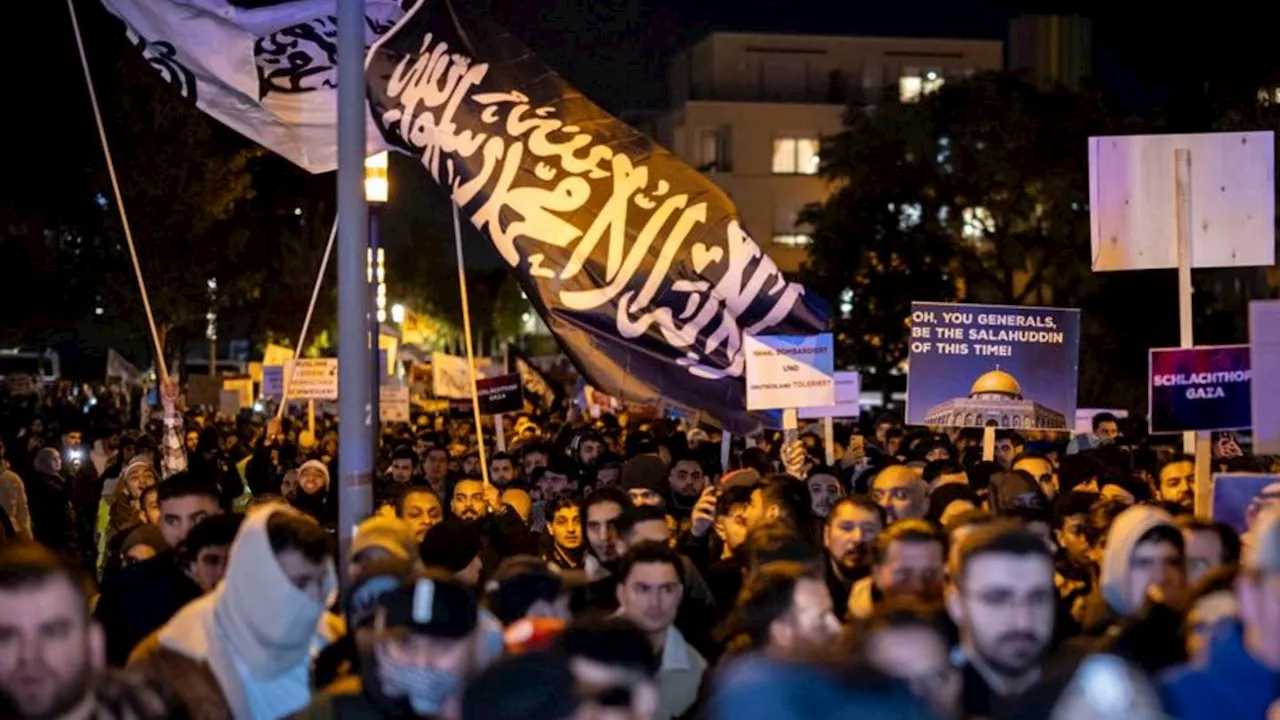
{"type": "Point", "coordinates": [522, 580]}
{"type": "Point", "coordinates": [377, 578]}
{"type": "Point", "coordinates": [434, 604]}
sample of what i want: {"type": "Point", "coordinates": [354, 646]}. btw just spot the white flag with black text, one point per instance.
{"type": "Point", "coordinates": [269, 73]}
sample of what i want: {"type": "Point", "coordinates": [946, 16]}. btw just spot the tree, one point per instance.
{"type": "Point", "coordinates": [878, 242]}
{"type": "Point", "coordinates": [182, 178]}
{"type": "Point", "coordinates": [977, 192]}
{"type": "Point", "coordinates": [1013, 173]}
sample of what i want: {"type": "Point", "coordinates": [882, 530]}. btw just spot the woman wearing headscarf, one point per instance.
{"type": "Point", "coordinates": [53, 517]}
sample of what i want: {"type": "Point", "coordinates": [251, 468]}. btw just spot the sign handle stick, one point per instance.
{"type": "Point", "coordinates": [1182, 199]}
{"type": "Point", "coordinates": [499, 433]}
{"type": "Point", "coordinates": [466, 329]}
{"type": "Point", "coordinates": [989, 443]}
{"type": "Point", "coordinates": [829, 438]}
{"type": "Point", "coordinates": [790, 426]}
{"type": "Point", "coordinates": [311, 417]}
{"type": "Point", "coordinates": [726, 443]}
{"type": "Point", "coordinates": [1204, 472]}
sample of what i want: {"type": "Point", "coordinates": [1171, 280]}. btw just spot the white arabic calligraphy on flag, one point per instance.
{"type": "Point", "coordinates": [627, 252]}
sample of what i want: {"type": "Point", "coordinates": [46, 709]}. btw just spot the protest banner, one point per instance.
{"type": "Point", "coordinates": [393, 403]}
{"type": "Point", "coordinates": [1264, 364]}
{"type": "Point", "coordinates": [790, 371]}
{"type": "Point", "coordinates": [273, 381]}
{"type": "Point", "coordinates": [978, 365]}
{"type": "Point", "coordinates": [848, 390]}
{"type": "Point", "coordinates": [1198, 389]}
{"type": "Point", "coordinates": [313, 379]}
{"type": "Point", "coordinates": [501, 394]}
{"type": "Point", "coordinates": [1239, 497]}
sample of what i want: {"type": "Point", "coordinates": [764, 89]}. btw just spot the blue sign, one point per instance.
{"type": "Point", "coordinates": [1200, 389]}
{"type": "Point", "coordinates": [1238, 498]}
{"type": "Point", "coordinates": [273, 381]}
{"type": "Point", "coordinates": [983, 365]}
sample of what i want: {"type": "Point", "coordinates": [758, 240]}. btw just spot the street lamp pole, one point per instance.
{"type": "Point", "coordinates": [377, 188]}
{"type": "Point", "coordinates": [356, 426]}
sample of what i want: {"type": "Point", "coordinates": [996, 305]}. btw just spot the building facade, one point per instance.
{"type": "Point", "coordinates": [751, 110]}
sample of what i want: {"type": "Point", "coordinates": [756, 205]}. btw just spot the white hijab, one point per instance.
{"type": "Point", "coordinates": [256, 631]}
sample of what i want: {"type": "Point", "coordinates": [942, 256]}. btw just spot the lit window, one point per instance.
{"type": "Point", "coordinates": [792, 240]}
{"type": "Point", "coordinates": [796, 156]}
{"type": "Point", "coordinates": [912, 86]}
{"type": "Point", "coordinates": [909, 88]}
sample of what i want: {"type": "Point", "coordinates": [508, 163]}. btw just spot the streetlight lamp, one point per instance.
{"type": "Point", "coordinates": [377, 190]}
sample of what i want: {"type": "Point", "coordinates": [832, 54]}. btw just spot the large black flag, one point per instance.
{"type": "Point", "coordinates": [636, 262]}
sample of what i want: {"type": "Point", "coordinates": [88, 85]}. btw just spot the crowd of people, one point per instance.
{"type": "Point", "coordinates": [612, 568]}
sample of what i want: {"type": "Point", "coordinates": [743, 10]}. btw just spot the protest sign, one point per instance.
{"type": "Point", "coordinates": [276, 355]}
{"type": "Point", "coordinates": [243, 388]}
{"type": "Point", "coordinates": [501, 394]}
{"type": "Point", "coordinates": [313, 379]}
{"type": "Point", "coordinates": [204, 390]}
{"type": "Point", "coordinates": [1264, 366]}
{"type": "Point", "coordinates": [450, 376]}
{"type": "Point", "coordinates": [1239, 497]}
{"type": "Point", "coordinates": [976, 365]}
{"type": "Point", "coordinates": [393, 403]}
{"type": "Point", "coordinates": [273, 381]}
{"type": "Point", "coordinates": [1199, 389]}
{"type": "Point", "coordinates": [790, 371]}
{"type": "Point", "coordinates": [1230, 200]}
{"type": "Point", "coordinates": [848, 390]}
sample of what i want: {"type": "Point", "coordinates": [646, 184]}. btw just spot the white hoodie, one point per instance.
{"type": "Point", "coordinates": [255, 630]}
{"type": "Point", "coordinates": [1127, 529]}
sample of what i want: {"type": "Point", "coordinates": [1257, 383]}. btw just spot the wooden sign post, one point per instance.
{"type": "Point", "coordinates": [1221, 213]}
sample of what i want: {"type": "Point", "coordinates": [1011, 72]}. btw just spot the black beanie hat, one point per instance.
{"type": "Point", "coordinates": [451, 545]}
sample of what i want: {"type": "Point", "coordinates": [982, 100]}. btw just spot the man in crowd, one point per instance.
{"type": "Point", "coordinates": [52, 653]}
{"type": "Point", "coordinates": [650, 588]}
{"type": "Point", "coordinates": [1003, 599]}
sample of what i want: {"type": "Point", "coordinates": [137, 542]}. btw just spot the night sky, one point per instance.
{"type": "Point", "coordinates": [614, 51]}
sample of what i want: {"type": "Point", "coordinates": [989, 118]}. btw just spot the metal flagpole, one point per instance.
{"type": "Point", "coordinates": [356, 423]}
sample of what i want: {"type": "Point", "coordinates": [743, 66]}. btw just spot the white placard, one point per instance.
{"type": "Point", "coordinates": [1133, 211]}
{"type": "Point", "coordinates": [848, 390]}
{"type": "Point", "coordinates": [393, 403]}
{"type": "Point", "coordinates": [312, 379]}
{"type": "Point", "coordinates": [1084, 418]}
{"type": "Point", "coordinates": [450, 376]}
{"type": "Point", "coordinates": [790, 371]}
{"type": "Point", "coordinates": [1264, 361]}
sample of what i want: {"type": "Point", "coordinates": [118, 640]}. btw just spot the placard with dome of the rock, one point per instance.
{"type": "Point", "coordinates": [993, 366]}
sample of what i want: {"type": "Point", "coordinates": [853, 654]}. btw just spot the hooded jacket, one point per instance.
{"type": "Point", "coordinates": [1127, 529]}
{"type": "Point", "coordinates": [254, 634]}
